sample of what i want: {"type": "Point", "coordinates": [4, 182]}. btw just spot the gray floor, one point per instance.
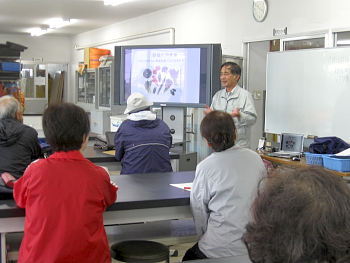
{"type": "Point", "coordinates": [177, 234]}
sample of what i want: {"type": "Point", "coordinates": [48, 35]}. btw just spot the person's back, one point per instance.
{"type": "Point", "coordinates": [19, 144]}
{"type": "Point", "coordinates": [65, 195]}
{"type": "Point", "coordinates": [228, 179]}
{"type": "Point", "coordinates": [142, 142]}
{"type": "Point", "coordinates": [221, 193]}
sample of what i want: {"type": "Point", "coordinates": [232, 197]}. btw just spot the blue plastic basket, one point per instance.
{"type": "Point", "coordinates": [337, 163]}
{"type": "Point", "coordinates": [314, 158]}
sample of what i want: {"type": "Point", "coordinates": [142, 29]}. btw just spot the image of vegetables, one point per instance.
{"type": "Point", "coordinates": [168, 84]}
{"type": "Point", "coordinates": [148, 86]}
{"type": "Point", "coordinates": [154, 79]}
{"type": "Point", "coordinates": [161, 85]}
{"type": "Point", "coordinates": [174, 74]}
{"type": "Point", "coordinates": [147, 73]}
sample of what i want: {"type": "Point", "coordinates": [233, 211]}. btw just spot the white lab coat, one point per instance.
{"type": "Point", "coordinates": [221, 196]}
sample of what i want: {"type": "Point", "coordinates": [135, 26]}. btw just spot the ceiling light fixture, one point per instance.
{"type": "Point", "coordinates": [37, 31]}
{"type": "Point", "coordinates": [116, 2]}
{"type": "Point", "coordinates": [51, 24]}
{"type": "Point", "coordinates": [58, 22]}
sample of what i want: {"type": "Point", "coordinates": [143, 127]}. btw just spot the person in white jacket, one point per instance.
{"type": "Point", "coordinates": [221, 193]}
{"type": "Point", "coordinates": [236, 101]}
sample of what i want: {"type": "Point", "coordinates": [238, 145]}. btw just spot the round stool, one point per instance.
{"type": "Point", "coordinates": [142, 251]}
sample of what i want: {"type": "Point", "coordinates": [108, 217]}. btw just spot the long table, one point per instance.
{"type": "Point", "coordinates": [276, 161]}
{"type": "Point", "coordinates": [97, 155]}
{"type": "Point", "coordinates": [183, 160]}
{"type": "Point", "coordinates": [140, 198]}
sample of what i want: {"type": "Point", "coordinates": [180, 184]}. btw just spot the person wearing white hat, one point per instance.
{"type": "Point", "coordinates": [142, 142]}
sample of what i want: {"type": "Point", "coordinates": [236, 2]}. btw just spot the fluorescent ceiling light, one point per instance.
{"type": "Point", "coordinates": [37, 31]}
{"type": "Point", "coordinates": [116, 2]}
{"type": "Point", "coordinates": [57, 22]}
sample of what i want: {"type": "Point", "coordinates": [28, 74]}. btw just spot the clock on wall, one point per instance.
{"type": "Point", "coordinates": [259, 10]}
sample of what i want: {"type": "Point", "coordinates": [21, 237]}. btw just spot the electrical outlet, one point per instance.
{"type": "Point", "coordinates": [258, 94]}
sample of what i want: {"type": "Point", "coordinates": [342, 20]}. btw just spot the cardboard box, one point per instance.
{"type": "Point", "coordinates": [87, 56]}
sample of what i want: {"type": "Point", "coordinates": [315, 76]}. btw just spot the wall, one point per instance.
{"type": "Point", "coordinates": [256, 81]}
{"type": "Point", "coordinates": [51, 49]}
{"type": "Point", "coordinates": [229, 22]}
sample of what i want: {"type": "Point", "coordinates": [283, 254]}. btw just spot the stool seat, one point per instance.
{"type": "Point", "coordinates": [140, 251]}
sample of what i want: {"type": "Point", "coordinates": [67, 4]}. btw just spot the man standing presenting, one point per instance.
{"type": "Point", "coordinates": [236, 101]}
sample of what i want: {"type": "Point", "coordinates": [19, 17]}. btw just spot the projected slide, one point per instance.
{"type": "Point", "coordinates": [164, 75]}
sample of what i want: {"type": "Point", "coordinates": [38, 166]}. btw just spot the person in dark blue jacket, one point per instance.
{"type": "Point", "coordinates": [142, 142]}
{"type": "Point", "coordinates": [19, 144]}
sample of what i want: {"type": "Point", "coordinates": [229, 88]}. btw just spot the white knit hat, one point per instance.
{"type": "Point", "coordinates": [137, 102]}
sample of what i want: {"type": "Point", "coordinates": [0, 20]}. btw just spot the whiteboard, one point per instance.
{"type": "Point", "coordinates": [308, 92]}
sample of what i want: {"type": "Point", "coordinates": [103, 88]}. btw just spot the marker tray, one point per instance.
{"type": "Point", "coordinates": [314, 158]}
{"type": "Point", "coordinates": [337, 163]}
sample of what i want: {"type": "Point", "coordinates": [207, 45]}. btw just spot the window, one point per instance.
{"type": "Point", "coordinates": [33, 80]}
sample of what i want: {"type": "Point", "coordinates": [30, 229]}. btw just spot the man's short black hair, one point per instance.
{"type": "Point", "coordinates": [234, 67]}
{"type": "Point", "coordinates": [65, 126]}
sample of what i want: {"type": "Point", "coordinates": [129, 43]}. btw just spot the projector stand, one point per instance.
{"type": "Point", "coordinates": [175, 118]}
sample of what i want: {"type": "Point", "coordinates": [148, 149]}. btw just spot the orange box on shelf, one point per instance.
{"type": "Point", "coordinates": [92, 56]}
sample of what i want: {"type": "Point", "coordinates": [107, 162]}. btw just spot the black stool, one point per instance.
{"type": "Point", "coordinates": [140, 251]}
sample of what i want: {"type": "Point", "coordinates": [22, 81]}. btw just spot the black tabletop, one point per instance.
{"type": "Point", "coordinates": [96, 155]}
{"type": "Point", "coordinates": [136, 191]}
{"type": "Point", "coordinates": [151, 190]}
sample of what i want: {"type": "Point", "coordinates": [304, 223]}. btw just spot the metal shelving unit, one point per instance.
{"type": "Point", "coordinates": [86, 89]}
{"type": "Point", "coordinates": [10, 81]}
{"type": "Point", "coordinates": [105, 87]}
{"type": "Point", "coordinates": [10, 75]}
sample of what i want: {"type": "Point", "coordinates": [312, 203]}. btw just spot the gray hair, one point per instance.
{"type": "Point", "coordinates": [8, 107]}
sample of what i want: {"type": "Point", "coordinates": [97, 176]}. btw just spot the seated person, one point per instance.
{"type": "Point", "coordinates": [142, 142]}
{"type": "Point", "coordinates": [65, 195]}
{"type": "Point", "coordinates": [19, 144]}
{"type": "Point", "coordinates": [222, 189]}
{"type": "Point", "coordinates": [300, 216]}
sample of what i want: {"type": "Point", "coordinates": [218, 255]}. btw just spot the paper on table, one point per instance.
{"type": "Point", "coordinates": [111, 152]}
{"type": "Point", "coordinates": [344, 153]}
{"type": "Point", "coordinates": [184, 186]}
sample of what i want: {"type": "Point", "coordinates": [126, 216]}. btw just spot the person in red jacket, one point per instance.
{"type": "Point", "coordinates": [65, 195]}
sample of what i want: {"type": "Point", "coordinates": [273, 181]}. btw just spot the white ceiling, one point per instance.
{"type": "Point", "coordinates": [18, 16]}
